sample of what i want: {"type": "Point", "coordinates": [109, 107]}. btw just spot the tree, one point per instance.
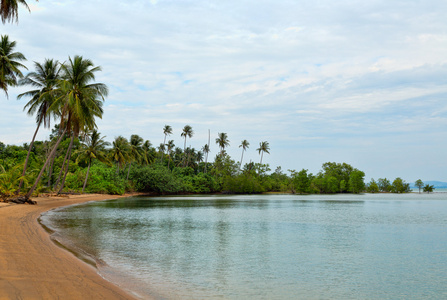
{"type": "Point", "coordinates": [222, 141]}
{"type": "Point", "coordinates": [94, 148]}
{"type": "Point", "coordinates": [135, 150]}
{"type": "Point", "coordinates": [372, 186]}
{"type": "Point", "coordinates": [120, 151]}
{"type": "Point", "coordinates": [301, 181]}
{"type": "Point", "coordinates": [187, 132]}
{"type": "Point", "coordinates": [45, 80]}
{"type": "Point", "coordinates": [244, 145]}
{"type": "Point", "coordinates": [167, 130]}
{"type": "Point", "coordinates": [206, 150]}
{"type": "Point", "coordinates": [170, 147]}
{"type": "Point", "coordinates": [79, 103]}
{"type": "Point", "coordinates": [148, 152]}
{"type": "Point", "coordinates": [9, 62]}
{"type": "Point", "coordinates": [356, 183]}
{"type": "Point", "coordinates": [263, 147]}
{"type": "Point", "coordinates": [400, 186]}
{"type": "Point", "coordinates": [9, 10]}
{"type": "Point", "coordinates": [428, 188]}
{"type": "Point", "coordinates": [419, 184]}
{"type": "Point", "coordinates": [384, 184]}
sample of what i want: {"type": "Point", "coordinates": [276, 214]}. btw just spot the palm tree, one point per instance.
{"type": "Point", "coordinates": [187, 132]}
{"type": "Point", "coordinates": [244, 144]}
{"type": "Point", "coordinates": [167, 130]}
{"type": "Point", "coordinates": [120, 151]}
{"type": "Point", "coordinates": [170, 146]}
{"type": "Point", "coordinates": [263, 147]}
{"type": "Point", "coordinates": [79, 104]}
{"type": "Point", "coordinates": [148, 152]}
{"type": "Point", "coordinates": [9, 63]}
{"type": "Point", "coordinates": [45, 80]}
{"type": "Point", "coordinates": [9, 10]}
{"type": "Point", "coordinates": [222, 141]}
{"type": "Point", "coordinates": [94, 148]}
{"type": "Point", "coordinates": [206, 150]}
{"type": "Point", "coordinates": [135, 151]}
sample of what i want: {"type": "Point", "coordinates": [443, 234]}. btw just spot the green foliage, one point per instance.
{"type": "Point", "coordinates": [428, 188]}
{"type": "Point", "coordinates": [356, 183]}
{"type": "Point", "coordinates": [372, 186]}
{"type": "Point", "coordinates": [400, 186]}
{"type": "Point", "coordinates": [102, 180]}
{"type": "Point", "coordinates": [384, 185]}
{"type": "Point", "coordinates": [419, 184]}
{"type": "Point", "coordinates": [155, 179]}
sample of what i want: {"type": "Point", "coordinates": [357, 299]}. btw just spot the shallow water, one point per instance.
{"type": "Point", "coordinates": [382, 246]}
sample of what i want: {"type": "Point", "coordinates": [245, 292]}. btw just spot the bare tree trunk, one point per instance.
{"type": "Point", "coordinates": [240, 164]}
{"type": "Point", "coordinates": [68, 163]}
{"type": "Point", "coordinates": [27, 156]}
{"type": "Point", "coordinates": [86, 176]}
{"type": "Point", "coordinates": [30, 192]}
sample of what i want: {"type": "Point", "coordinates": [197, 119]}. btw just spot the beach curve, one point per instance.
{"type": "Point", "coordinates": [33, 267]}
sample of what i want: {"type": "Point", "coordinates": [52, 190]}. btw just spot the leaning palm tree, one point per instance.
{"type": "Point", "coordinates": [244, 144]}
{"type": "Point", "coordinates": [94, 148]}
{"type": "Point", "coordinates": [9, 64]}
{"type": "Point", "coordinates": [222, 141]}
{"type": "Point", "coordinates": [167, 130]}
{"type": "Point", "coordinates": [80, 103]}
{"type": "Point", "coordinates": [45, 80]}
{"type": "Point", "coordinates": [263, 147]}
{"type": "Point", "coordinates": [9, 10]}
{"type": "Point", "coordinates": [187, 132]}
{"type": "Point", "coordinates": [148, 152]}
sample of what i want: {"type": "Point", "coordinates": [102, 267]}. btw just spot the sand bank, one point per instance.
{"type": "Point", "coordinates": [33, 267]}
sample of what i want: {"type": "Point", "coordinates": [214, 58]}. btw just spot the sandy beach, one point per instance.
{"type": "Point", "coordinates": [33, 267]}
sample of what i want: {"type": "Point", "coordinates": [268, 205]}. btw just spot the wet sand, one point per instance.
{"type": "Point", "coordinates": [33, 267]}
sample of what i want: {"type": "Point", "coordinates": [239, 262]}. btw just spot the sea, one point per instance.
{"type": "Point", "coordinates": [344, 246]}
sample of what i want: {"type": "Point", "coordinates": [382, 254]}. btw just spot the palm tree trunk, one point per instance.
{"type": "Point", "coordinates": [240, 164]}
{"type": "Point", "coordinates": [86, 176]}
{"type": "Point", "coordinates": [68, 164]}
{"type": "Point", "coordinates": [50, 173]}
{"type": "Point", "coordinates": [262, 153]}
{"type": "Point", "coordinates": [62, 169]}
{"type": "Point", "coordinates": [30, 192]}
{"type": "Point", "coordinates": [29, 152]}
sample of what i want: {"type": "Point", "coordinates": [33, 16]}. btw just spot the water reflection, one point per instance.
{"type": "Point", "coordinates": [265, 247]}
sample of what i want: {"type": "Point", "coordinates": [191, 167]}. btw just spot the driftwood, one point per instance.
{"type": "Point", "coordinates": [20, 200]}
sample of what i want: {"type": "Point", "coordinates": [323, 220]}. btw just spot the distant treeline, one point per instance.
{"type": "Point", "coordinates": [133, 165]}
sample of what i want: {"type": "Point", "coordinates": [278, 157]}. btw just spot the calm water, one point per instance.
{"type": "Point", "coordinates": [267, 246]}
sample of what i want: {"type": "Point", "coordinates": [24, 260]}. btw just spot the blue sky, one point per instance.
{"type": "Point", "coordinates": [361, 82]}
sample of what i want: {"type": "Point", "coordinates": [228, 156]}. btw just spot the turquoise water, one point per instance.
{"type": "Point", "coordinates": [382, 246]}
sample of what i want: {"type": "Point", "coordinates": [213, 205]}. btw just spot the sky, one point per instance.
{"type": "Point", "coordinates": [361, 82]}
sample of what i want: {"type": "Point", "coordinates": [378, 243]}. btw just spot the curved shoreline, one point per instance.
{"type": "Point", "coordinates": [32, 266]}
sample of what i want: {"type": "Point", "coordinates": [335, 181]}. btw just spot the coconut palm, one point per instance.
{"type": "Point", "coordinates": [222, 141]}
{"type": "Point", "coordinates": [187, 132]}
{"type": "Point", "coordinates": [135, 151]}
{"type": "Point", "coordinates": [167, 130]}
{"type": "Point", "coordinates": [45, 80]}
{"type": "Point", "coordinates": [94, 148]}
{"type": "Point", "coordinates": [120, 151]}
{"type": "Point", "coordinates": [170, 146]}
{"type": "Point", "coordinates": [80, 103]}
{"type": "Point", "coordinates": [148, 152]}
{"type": "Point", "coordinates": [9, 10]}
{"type": "Point", "coordinates": [206, 150]}
{"type": "Point", "coordinates": [9, 63]}
{"type": "Point", "coordinates": [244, 144]}
{"type": "Point", "coordinates": [263, 147]}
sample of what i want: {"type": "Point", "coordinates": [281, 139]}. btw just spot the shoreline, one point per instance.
{"type": "Point", "coordinates": [33, 266]}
